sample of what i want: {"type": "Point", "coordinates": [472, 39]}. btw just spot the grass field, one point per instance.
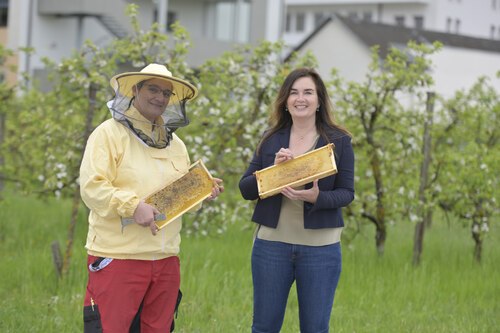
{"type": "Point", "coordinates": [447, 293]}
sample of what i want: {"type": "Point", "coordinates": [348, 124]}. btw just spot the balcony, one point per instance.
{"type": "Point", "coordinates": [79, 7]}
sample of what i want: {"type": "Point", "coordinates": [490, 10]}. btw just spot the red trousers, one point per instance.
{"type": "Point", "coordinates": [119, 289]}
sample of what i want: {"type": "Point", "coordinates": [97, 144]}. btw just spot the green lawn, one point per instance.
{"type": "Point", "coordinates": [447, 293]}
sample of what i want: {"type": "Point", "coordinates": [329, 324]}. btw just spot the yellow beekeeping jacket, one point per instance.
{"type": "Point", "coordinates": [117, 171]}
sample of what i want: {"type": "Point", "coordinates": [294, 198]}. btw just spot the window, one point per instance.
{"type": "Point", "coordinates": [419, 22]}
{"type": "Point", "coordinates": [318, 18]}
{"type": "Point", "coordinates": [171, 18]}
{"type": "Point", "coordinates": [4, 15]}
{"type": "Point", "coordinates": [288, 23]}
{"type": "Point", "coordinates": [494, 4]}
{"type": "Point", "coordinates": [400, 21]}
{"type": "Point", "coordinates": [229, 20]}
{"type": "Point", "coordinates": [300, 23]}
{"type": "Point", "coordinates": [448, 24]}
{"type": "Point", "coordinates": [367, 16]}
{"type": "Point", "coordinates": [457, 26]}
{"type": "Point", "coordinates": [492, 31]}
{"type": "Point", "coordinates": [353, 15]}
{"type": "Point", "coordinates": [296, 22]}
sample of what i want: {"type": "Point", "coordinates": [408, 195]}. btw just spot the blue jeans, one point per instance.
{"type": "Point", "coordinates": [316, 272]}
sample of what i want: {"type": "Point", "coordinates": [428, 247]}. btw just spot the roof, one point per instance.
{"type": "Point", "coordinates": [386, 35]}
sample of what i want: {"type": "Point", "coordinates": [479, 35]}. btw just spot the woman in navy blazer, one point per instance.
{"type": "Point", "coordinates": [298, 231]}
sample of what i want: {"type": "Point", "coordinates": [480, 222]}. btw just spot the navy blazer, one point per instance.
{"type": "Point", "coordinates": [336, 191]}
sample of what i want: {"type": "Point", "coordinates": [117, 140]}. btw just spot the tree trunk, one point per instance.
{"type": "Point", "coordinates": [428, 219]}
{"type": "Point", "coordinates": [478, 251]}
{"type": "Point", "coordinates": [418, 242]}
{"type": "Point", "coordinates": [380, 236]}
{"type": "Point", "coordinates": [381, 232]}
{"type": "Point", "coordinates": [478, 243]}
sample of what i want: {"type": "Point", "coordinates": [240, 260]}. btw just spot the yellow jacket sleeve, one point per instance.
{"type": "Point", "coordinates": [98, 171]}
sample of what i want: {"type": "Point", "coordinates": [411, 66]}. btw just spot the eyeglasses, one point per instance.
{"type": "Point", "coordinates": [156, 90]}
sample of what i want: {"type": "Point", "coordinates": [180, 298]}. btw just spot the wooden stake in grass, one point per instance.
{"type": "Point", "coordinates": [424, 182]}
{"type": "Point", "coordinates": [76, 196]}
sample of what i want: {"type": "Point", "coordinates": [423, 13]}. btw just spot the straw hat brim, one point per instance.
{"type": "Point", "coordinates": [125, 81]}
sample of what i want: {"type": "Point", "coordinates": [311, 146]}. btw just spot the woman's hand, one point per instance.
{"type": "Point", "coordinates": [283, 155]}
{"type": "Point", "coordinates": [144, 215]}
{"type": "Point", "coordinates": [217, 189]}
{"type": "Point", "coordinates": [310, 195]}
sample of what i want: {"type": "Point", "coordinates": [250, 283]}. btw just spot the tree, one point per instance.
{"type": "Point", "coordinates": [386, 135]}
{"type": "Point", "coordinates": [469, 158]}
{"type": "Point", "coordinates": [237, 90]}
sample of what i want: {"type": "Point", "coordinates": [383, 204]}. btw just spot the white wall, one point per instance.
{"type": "Point", "coordinates": [455, 69]}
{"type": "Point", "coordinates": [336, 47]}
{"type": "Point", "coordinates": [190, 14]}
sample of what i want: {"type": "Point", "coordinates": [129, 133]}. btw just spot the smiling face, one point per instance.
{"type": "Point", "coordinates": [152, 97]}
{"type": "Point", "coordinates": [302, 100]}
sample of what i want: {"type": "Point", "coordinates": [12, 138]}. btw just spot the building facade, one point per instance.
{"type": "Point", "coordinates": [346, 44]}
{"type": "Point", "coordinates": [478, 18]}
{"type": "Point", "coordinates": [55, 28]}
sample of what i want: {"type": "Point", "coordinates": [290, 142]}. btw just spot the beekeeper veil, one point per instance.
{"type": "Point", "coordinates": [174, 115]}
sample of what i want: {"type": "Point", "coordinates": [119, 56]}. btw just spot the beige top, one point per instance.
{"type": "Point", "coordinates": [291, 229]}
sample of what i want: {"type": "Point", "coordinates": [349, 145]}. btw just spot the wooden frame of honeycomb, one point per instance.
{"type": "Point", "coordinates": [183, 194]}
{"type": "Point", "coordinates": [303, 169]}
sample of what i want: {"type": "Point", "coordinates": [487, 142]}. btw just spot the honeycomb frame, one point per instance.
{"type": "Point", "coordinates": [303, 169]}
{"type": "Point", "coordinates": [186, 192]}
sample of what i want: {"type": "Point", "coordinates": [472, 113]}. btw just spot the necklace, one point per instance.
{"type": "Point", "coordinates": [306, 134]}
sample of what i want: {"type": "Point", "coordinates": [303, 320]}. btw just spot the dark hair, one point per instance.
{"type": "Point", "coordinates": [138, 86]}
{"type": "Point", "coordinates": [280, 118]}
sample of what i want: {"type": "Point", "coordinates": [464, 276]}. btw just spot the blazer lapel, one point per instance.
{"type": "Point", "coordinates": [321, 142]}
{"type": "Point", "coordinates": [284, 137]}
